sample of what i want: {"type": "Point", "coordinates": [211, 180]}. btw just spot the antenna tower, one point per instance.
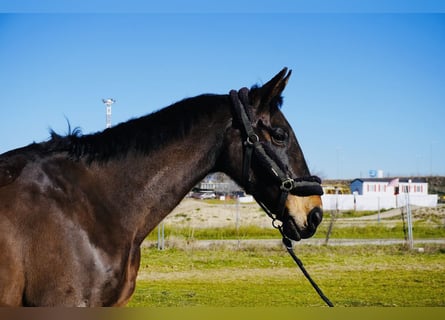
{"type": "Point", "coordinates": [108, 102]}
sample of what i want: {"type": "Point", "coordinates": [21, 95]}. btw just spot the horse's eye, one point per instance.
{"type": "Point", "coordinates": [279, 136]}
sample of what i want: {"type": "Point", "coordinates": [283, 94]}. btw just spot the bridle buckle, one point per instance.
{"type": "Point", "coordinates": [252, 140]}
{"type": "Point", "coordinates": [287, 185]}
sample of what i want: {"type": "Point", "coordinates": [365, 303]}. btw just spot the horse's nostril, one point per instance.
{"type": "Point", "coordinates": [315, 216]}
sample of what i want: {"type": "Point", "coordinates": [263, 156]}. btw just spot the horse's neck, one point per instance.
{"type": "Point", "coordinates": [148, 187]}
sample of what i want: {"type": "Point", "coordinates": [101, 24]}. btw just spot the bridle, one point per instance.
{"type": "Point", "coordinates": [299, 186]}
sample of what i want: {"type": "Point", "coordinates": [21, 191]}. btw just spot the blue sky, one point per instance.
{"type": "Point", "coordinates": [367, 90]}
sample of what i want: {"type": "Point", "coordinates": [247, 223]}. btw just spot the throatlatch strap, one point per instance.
{"type": "Point", "coordinates": [241, 113]}
{"type": "Point", "coordinates": [252, 140]}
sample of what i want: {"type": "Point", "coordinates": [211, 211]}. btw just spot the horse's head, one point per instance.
{"type": "Point", "coordinates": [263, 155]}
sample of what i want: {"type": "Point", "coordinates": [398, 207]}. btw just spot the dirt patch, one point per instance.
{"type": "Point", "coordinates": [192, 213]}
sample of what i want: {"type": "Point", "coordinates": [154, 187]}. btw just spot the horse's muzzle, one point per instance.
{"type": "Point", "coordinates": [295, 232]}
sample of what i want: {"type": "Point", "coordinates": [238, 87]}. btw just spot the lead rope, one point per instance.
{"type": "Point", "coordinates": [288, 244]}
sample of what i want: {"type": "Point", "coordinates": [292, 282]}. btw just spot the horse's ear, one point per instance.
{"type": "Point", "coordinates": [261, 97]}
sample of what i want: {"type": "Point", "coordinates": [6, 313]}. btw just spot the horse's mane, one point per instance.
{"type": "Point", "coordinates": [143, 135]}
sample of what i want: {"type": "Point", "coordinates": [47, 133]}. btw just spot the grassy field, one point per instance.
{"type": "Point", "coordinates": [260, 277]}
{"type": "Point", "coordinates": [368, 231]}
{"type": "Point", "coordinates": [186, 275]}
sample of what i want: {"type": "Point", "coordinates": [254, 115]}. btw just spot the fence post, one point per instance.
{"type": "Point", "coordinates": [161, 236]}
{"type": "Point", "coordinates": [409, 218]}
{"type": "Point", "coordinates": [333, 218]}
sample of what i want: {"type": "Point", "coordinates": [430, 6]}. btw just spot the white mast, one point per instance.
{"type": "Point", "coordinates": [108, 102]}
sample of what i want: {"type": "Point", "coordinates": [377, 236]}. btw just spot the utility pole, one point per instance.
{"type": "Point", "coordinates": [409, 218]}
{"type": "Point", "coordinates": [108, 103]}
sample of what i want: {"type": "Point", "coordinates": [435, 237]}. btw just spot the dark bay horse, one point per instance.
{"type": "Point", "coordinates": [75, 209]}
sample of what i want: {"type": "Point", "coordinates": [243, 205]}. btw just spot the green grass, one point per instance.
{"type": "Point", "coordinates": [382, 231]}
{"type": "Point", "coordinates": [221, 233]}
{"type": "Point", "coordinates": [357, 231]}
{"type": "Point", "coordinates": [349, 276]}
{"type": "Point", "coordinates": [265, 277]}
{"type": "Point", "coordinates": [350, 214]}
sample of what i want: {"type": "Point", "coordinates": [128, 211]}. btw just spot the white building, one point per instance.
{"type": "Point", "coordinates": [388, 186]}
{"type": "Point", "coordinates": [381, 193]}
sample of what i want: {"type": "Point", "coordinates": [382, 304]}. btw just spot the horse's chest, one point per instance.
{"type": "Point", "coordinates": [116, 278]}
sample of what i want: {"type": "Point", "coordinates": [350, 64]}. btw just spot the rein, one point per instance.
{"type": "Point", "coordinates": [303, 186]}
